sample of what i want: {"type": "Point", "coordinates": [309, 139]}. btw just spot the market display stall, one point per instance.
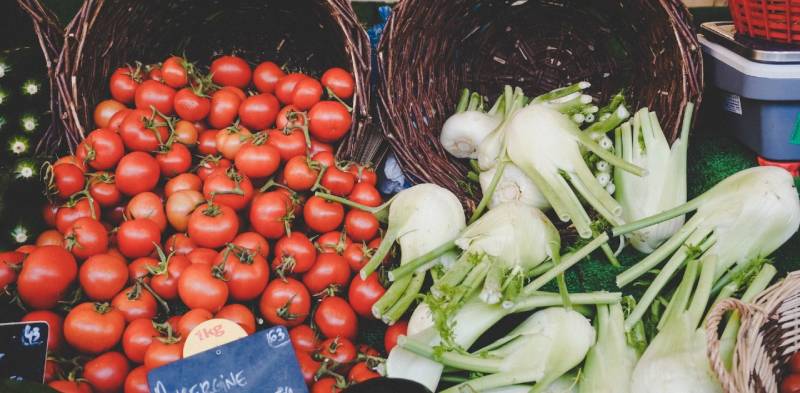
{"type": "Point", "coordinates": [477, 196]}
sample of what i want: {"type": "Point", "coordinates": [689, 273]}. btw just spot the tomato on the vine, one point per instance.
{"type": "Point", "coordinates": [186, 132]}
{"type": "Point", "coordinates": [363, 294]}
{"type": "Point", "coordinates": [184, 181]}
{"type": "Point", "coordinates": [253, 242]}
{"type": "Point", "coordinates": [202, 255]}
{"type": "Point", "coordinates": [107, 372]}
{"type": "Point", "coordinates": [229, 188]}
{"type": "Point", "coordinates": [136, 382]}
{"type": "Point", "coordinates": [340, 82]}
{"type": "Point", "coordinates": [138, 237]}
{"type": "Point", "coordinates": [138, 335]}
{"type": "Point", "coordinates": [231, 139]}
{"type": "Point", "coordinates": [124, 82]}
{"type": "Point", "coordinates": [240, 315]}
{"type": "Point", "coordinates": [135, 303]}
{"type": "Point", "coordinates": [271, 213]}
{"type": "Point", "coordinates": [393, 332]}
{"type": "Point", "coordinates": [363, 173]}
{"type": "Point", "coordinates": [335, 318]}
{"type": "Point", "coordinates": [230, 71]}
{"type": "Point", "coordinates": [300, 173]}
{"type": "Point", "coordinates": [174, 72]}
{"type": "Point", "coordinates": [333, 242]}
{"type": "Point", "coordinates": [294, 253]}
{"type": "Point", "coordinates": [285, 302]}
{"type": "Point", "coordinates": [68, 179]}
{"type": "Point", "coordinates": [266, 76]}
{"type": "Point", "coordinates": [337, 181]}
{"type": "Point", "coordinates": [180, 206]}
{"type": "Point", "coordinates": [207, 142]}
{"type": "Point", "coordinates": [136, 173]}
{"type": "Point", "coordinates": [103, 188]}
{"type": "Point", "coordinates": [285, 87]}
{"type": "Point", "coordinates": [308, 366]}
{"type": "Point", "coordinates": [102, 276]}
{"type": "Point", "coordinates": [203, 286]}
{"type": "Point", "coordinates": [361, 372]}
{"type": "Point", "coordinates": [93, 327]}
{"type": "Point", "coordinates": [290, 143]}
{"type": "Point", "coordinates": [246, 272]}
{"type": "Point", "coordinates": [361, 225]}
{"type": "Point", "coordinates": [115, 121]}
{"type": "Point", "coordinates": [365, 194]}
{"type": "Point", "coordinates": [174, 159]}
{"type": "Point", "coordinates": [224, 108]}
{"type": "Point", "coordinates": [259, 111]}
{"type": "Point", "coordinates": [154, 94]}
{"type": "Point", "coordinates": [139, 269]}
{"type": "Point", "coordinates": [329, 270]}
{"type": "Point", "coordinates": [55, 323]}
{"type": "Point", "coordinates": [321, 215]}
{"type": "Point", "coordinates": [306, 93]}
{"type": "Point", "coordinates": [191, 319]}
{"type": "Point", "coordinates": [304, 339]}
{"type": "Point", "coordinates": [211, 164]}
{"type": "Point", "coordinates": [339, 350]}
{"type": "Point", "coordinates": [213, 225]}
{"type": "Point", "coordinates": [101, 149]}
{"type": "Point", "coordinates": [328, 121]}
{"type": "Point", "coordinates": [86, 237]}
{"type": "Point", "coordinates": [147, 205]}
{"type": "Point", "coordinates": [180, 244]}
{"type": "Point", "coordinates": [163, 351]}
{"type": "Point", "coordinates": [257, 160]}
{"type": "Point", "coordinates": [164, 280]}
{"type": "Point", "coordinates": [46, 275]}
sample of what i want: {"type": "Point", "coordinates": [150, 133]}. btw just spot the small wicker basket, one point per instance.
{"type": "Point", "coordinates": [768, 336]}
{"type": "Point", "coordinates": [430, 50]}
{"type": "Point", "coordinates": [307, 35]}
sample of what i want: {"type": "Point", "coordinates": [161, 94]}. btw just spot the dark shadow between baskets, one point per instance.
{"type": "Point", "coordinates": [307, 35]}
{"type": "Point", "coordinates": [432, 49]}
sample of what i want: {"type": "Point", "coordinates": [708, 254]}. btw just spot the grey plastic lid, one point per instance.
{"type": "Point", "coordinates": [762, 51]}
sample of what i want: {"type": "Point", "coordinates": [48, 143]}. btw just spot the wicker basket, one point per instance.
{"type": "Point", "coordinates": [430, 50]}
{"type": "Point", "coordinates": [768, 336]}
{"type": "Point", "coordinates": [307, 35]}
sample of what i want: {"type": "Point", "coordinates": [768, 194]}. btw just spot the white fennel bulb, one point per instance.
{"type": "Point", "coordinates": [610, 362]}
{"type": "Point", "coordinates": [513, 186]}
{"type": "Point", "coordinates": [463, 132]}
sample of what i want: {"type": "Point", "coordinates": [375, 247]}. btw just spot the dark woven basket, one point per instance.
{"type": "Point", "coordinates": [432, 49]}
{"type": "Point", "coordinates": [307, 35]}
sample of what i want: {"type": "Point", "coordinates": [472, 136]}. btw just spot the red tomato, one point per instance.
{"type": "Point", "coordinates": [794, 363]}
{"type": "Point", "coordinates": [103, 189]}
{"type": "Point", "coordinates": [186, 132]}
{"type": "Point", "coordinates": [138, 238]}
{"type": "Point", "coordinates": [124, 82]}
{"type": "Point", "coordinates": [285, 302]}
{"type": "Point", "coordinates": [246, 272]}
{"type": "Point", "coordinates": [72, 211]}
{"type": "Point", "coordinates": [328, 121]}
{"type": "Point", "coordinates": [93, 327]}
{"type": "Point", "coordinates": [51, 371]}
{"type": "Point", "coordinates": [300, 173]}
{"type": "Point", "coordinates": [136, 173]}
{"type": "Point", "coordinates": [308, 366]}
{"type": "Point", "coordinates": [184, 181]}
{"type": "Point", "coordinates": [174, 72]}
{"type": "Point", "coordinates": [253, 242]}
{"type": "Point", "coordinates": [160, 353]}
{"type": "Point", "coordinates": [271, 213]}
{"type": "Point", "coordinates": [141, 130]}
{"type": "Point", "coordinates": [180, 207]}
{"type": "Point", "coordinates": [201, 286]}
{"type": "Point", "coordinates": [70, 160]}
{"type": "Point", "coordinates": [207, 142]}
{"type": "Point", "coordinates": [211, 164]}
{"type": "Point", "coordinates": [101, 149]}
{"type": "Point", "coordinates": [365, 194]}
{"type": "Point", "coordinates": [290, 143]}
{"type": "Point", "coordinates": [49, 210]}
{"type": "Point", "coordinates": [116, 120]}
{"type": "Point", "coordinates": [259, 111]}
{"type": "Point", "coordinates": [329, 270]}
{"type": "Point", "coordinates": [361, 372]}
{"type": "Point", "coordinates": [339, 350]}
{"type": "Point", "coordinates": [337, 181]}
{"type": "Point", "coordinates": [306, 93]}
{"type": "Point", "coordinates": [180, 244]}
{"type": "Point", "coordinates": [135, 303]}
{"type": "Point", "coordinates": [229, 188]}
{"type": "Point", "coordinates": [154, 94]}
{"type": "Point", "coordinates": [325, 159]}
{"type": "Point", "coordinates": [136, 382]}
{"type": "Point", "coordinates": [393, 332]}
{"type": "Point", "coordinates": [230, 140]}
{"type": "Point", "coordinates": [791, 384]}
{"type": "Point", "coordinates": [257, 161]}
{"type": "Point", "coordinates": [213, 225]}
{"type": "Point", "coordinates": [363, 294]}
{"type": "Point", "coordinates": [304, 339]}
{"type": "Point", "coordinates": [224, 108]}
{"type": "Point", "coordinates": [335, 318]}
{"type": "Point", "coordinates": [319, 147]}
{"type": "Point", "coordinates": [107, 372]}
{"type": "Point", "coordinates": [203, 256]}
{"type": "Point", "coordinates": [230, 71]}
{"type": "Point", "coordinates": [139, 334]}
{"type": "Point", "coordinates": [68, 179]}
{"type": "Point", "coordinates": [147, 205]}
{"type": "Point", "coordinates": [9, 263]}
{"type": "Point", "coordinates": [266, 76]}
{"type": "Point", "coordinates": [285, 87]}
{"type": "Point", "coordinates": [55, 324]}
{"type": "Point", "coordinates": [294, 254]}
{"type": "Point", "coordinates": [105, 110]}
{"type": "Point", "coordinates": [361, 225]}
{"type": "Point", "coordinates": [102, 276]}
{"type": "Point", "coordinates": [233, 89]}
{"type": "Point", "coordinates": [322, 215]}
{"type": "Point", "coordinates": [333, 242]}
{"type": "Point", "coordinates": [46, 275]}
{"type": "Point", "coordinates": [154, 73]}
{"type": "Point", "coordinates": [140, 268]}
{"type": "Point", "coordinates": [164, 280]}
{"type": "Point", "coordinates": [64, 386]}
{"type": "Point", "coordinates": [363, 173]}
{"type": "Point", "coordinates": [239, 314]}
{"type": "Point", "coordinates": [50, 237]}
{"type": "Point", "coordinates": [86, 237]}
{"type": "Point", "coordinates": [174, 160]}
{"type": "Point", "coordinates": [191, 319]}
{"type": "Point", "coordinates": [190, 106]}
{"type": "Point", "coordinates": [339, 82]}
{"type": "Point", "coordinates": [290, 117]}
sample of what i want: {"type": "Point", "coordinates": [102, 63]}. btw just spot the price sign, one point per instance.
{"type": "Point", "coordinates": [210, 334]}
{"type": "Point", "coordinates": [262, 363]}
{"type": "Point", "coordinates": [23, 351]}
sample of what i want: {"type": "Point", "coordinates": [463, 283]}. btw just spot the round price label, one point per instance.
{"type": "Point", "coordinates": [210, 334]}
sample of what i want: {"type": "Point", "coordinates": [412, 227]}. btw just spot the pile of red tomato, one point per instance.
{"type": "Point", "coordinates": [791, 382]}
{"type": "Point", "coordinates": [195, 198]}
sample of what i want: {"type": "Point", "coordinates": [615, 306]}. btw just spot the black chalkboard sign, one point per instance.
{"type": "Point", "coordinates": [263, 362]}
{"type": "Point", "coordinates": [23, 351]}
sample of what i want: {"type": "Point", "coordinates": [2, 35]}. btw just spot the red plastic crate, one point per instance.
{"type": "Point", "coordinates": [773, 20]}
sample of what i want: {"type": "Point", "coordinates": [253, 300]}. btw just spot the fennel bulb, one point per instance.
{"type": "Point", "coordinates": [464, 131]}
{"type": "Point", "coordinates": [676, 360]}
{"type": "Point", "coordinates": [547, 146]}
{"type": "Point", "coordinates": [541, 349]}
{"type": "Point", "coordinates": [513, 186]}
{"type": "Point", "coordinates": [499, 249]}
{"type": "Point", "coordinates": [745, 217]}
{"type": "Point", "coordinates": [610, 362]}
{"type": "Point", "coordinates": [642, 142]}
{"type": "Point", "coordinates": [471, 320]}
